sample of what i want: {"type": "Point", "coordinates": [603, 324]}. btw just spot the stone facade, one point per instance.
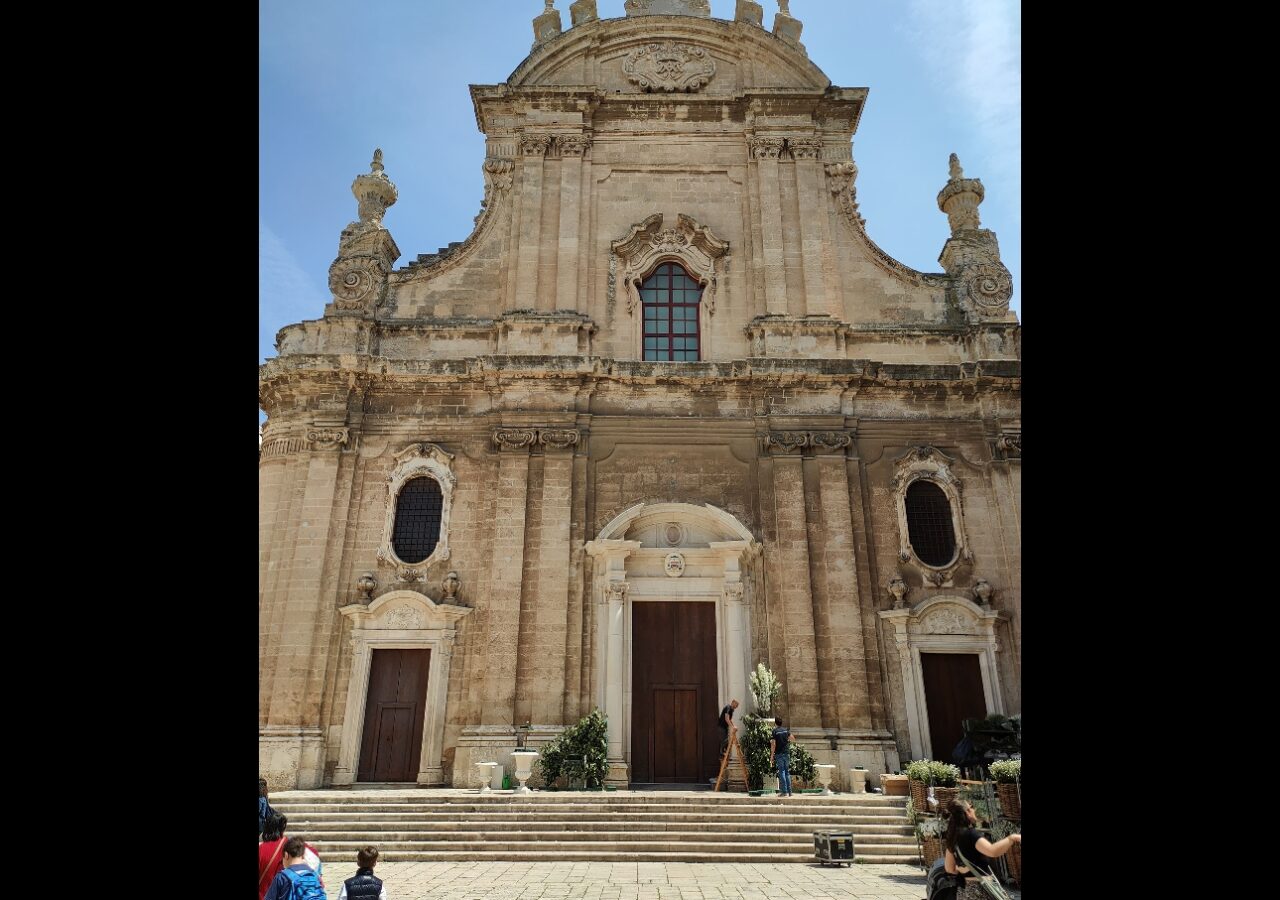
{"type": "Point", "coordinates": [509, 368]}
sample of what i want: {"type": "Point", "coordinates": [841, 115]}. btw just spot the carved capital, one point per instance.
{"type": "Point", "coordinates": [559, 438]}
{"type": "Point", "coordinates": [616, 591]}
{"type": "Point", "coordinates": [535, 144]}
{"type": "Point", "coordinates": [805, 148]}
{"type": "Point", "coordinates": [765, 148]}
{"type": "Point", "coordinates": [514, 438]}
{"type": "Point", "coordinates": [778, 442]}
{"type": "Point", "coordinates": [573, 144]}
{"type": "Point", "coordinates": [1009, 445]}
{"type": "Point", "coordinates": [830, 441]}
{"type": "Point", "coordinates": [328, 438]}
{"type": "Point", "coordinates": [734, 590]}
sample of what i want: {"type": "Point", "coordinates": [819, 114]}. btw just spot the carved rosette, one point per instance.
{"type": "Point", "coordinates": [328, 438]}
{"type": "Point", "coordinates": [356, 281]}
{"type": "Point", "coordinates": [669, 67]}
{"type": "Point", "coordinates": [985, 289]}
{"type": "Point", "coordinates": [930, 464]}
{"type": "Point", "coordinates": [694, 246]}
{"type": "Point", "coordinates": [784, 442]}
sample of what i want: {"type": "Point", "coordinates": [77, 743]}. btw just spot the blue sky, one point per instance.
{"type": "Point", "coordinates": [337, 80]}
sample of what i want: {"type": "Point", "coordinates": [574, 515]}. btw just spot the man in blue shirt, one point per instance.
{"type": "Point", "coordinates": [780, 750]}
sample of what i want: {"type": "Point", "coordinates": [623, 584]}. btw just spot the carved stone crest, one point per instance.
{"type": "Point", "coordinates": [669, 67]}
{"type": "Point", "coordinates": [404, 618]}
{"type": "Point", "coordinates": [674, 565]}
{"type": "Point", "coordinates": [668, 8]}
{"type": "Point", "coordinates": [947, 621]}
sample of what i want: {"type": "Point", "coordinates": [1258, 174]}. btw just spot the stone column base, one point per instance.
{"type": "Point", "coordinates": [291, 757]}
{"type": "Point", "coordinates": [617, 775]}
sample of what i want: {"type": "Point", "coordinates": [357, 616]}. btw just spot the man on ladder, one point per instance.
{"type": "Point", "coordinates": [728, 744]}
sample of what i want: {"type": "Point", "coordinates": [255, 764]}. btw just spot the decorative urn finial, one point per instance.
{"type": "Point", "coordinates": [959, 199]}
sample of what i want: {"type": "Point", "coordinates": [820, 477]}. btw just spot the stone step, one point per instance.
{"type": "Point", "coordinates": [381, 825]}
{"type": "Point", "coordinates": [610, 848]}
{"type": "Point", "coordinates": [576, 855]}
{"type": "Point", "coordinates": [656, 798]}
{"type": "Point", "coordinates": [594, 817]}
{"type": "Point", "coordinates": [804, 839]}
{"type": "Point", "coordinates": [525, 805]}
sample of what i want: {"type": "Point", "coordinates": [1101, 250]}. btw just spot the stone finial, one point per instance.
{"type": "Point", "coordinates": [546, 26]}
{"type": "Point", "coordinates": [982, 590]}
{"type": "Point", "coordinates": [898, 588]}
{"type": "Point", "coordinates": [787, 27]}
{"type": "Point", "coordinates": [449, 588]}
{"type": "Point", "coordinates": [365, 585]}
{"type": "Point", "coordinates": [374, 193]}
{"type": "Point", "coordinates": [959, 199]}
{"type": "Point", "coordinates": [583, 11]}
{"type": "Point", "coordinates": [750, 12]}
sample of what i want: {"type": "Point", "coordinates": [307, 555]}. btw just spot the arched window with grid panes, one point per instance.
{"type": "Point", "coordinates": [671, 305]}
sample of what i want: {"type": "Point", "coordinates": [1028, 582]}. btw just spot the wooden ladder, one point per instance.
{"type": "Point", "coordinates": [724, 762]}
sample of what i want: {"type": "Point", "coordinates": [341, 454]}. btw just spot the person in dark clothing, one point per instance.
{"type": "Point", "coordinates": [780, 752]}
{"type": "Point", "coordinates": [264, 808]}
{"type": "Point", "coordinates": [726, 723]}
{"type": "Point", "coordinates": [962, 834]}
{"type": "Point", "coordinates": [363, 886]}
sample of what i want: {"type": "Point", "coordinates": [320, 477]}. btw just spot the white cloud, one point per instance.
{"type": "Point", "coordinates": [286, 294]}
{"type": "Point", "coordinates": [974, 48]}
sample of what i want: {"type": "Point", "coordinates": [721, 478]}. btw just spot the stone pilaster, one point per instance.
{"type": "Point", "coordinates": [507, 565]}
{"type": "Point", "coordinates": [573, 147]}
{"type": "Point", "coordinates": [533, 152]}
{"type": "Point", "coordinates": [765, 152]}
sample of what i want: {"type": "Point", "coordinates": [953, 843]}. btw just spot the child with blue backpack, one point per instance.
{"type": "Point", "coordinates": [297, 880]}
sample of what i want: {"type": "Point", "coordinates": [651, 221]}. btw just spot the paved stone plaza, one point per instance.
{"type": "Point", "coordinates": [636, 881]}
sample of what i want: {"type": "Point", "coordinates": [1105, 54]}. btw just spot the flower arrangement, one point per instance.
{"type": "Point", "coordinates": [1006, 771]}
{"type": "Point", "coordinates": [765, 688]}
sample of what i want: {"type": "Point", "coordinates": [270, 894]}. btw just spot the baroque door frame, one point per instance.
{"type": "Point", "coordinates": [399, 620]}
{"type": "Point", "coordinates": [948, 623]}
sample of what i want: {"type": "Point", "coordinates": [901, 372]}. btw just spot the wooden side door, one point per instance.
{"type": "Point", "coordinates": [952, 693]}
{"type": "Point", "coordinates": [394, 713]}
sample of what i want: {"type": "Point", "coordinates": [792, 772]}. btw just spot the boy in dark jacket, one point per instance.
{"type": "Point", "coordinates": [363, 886]}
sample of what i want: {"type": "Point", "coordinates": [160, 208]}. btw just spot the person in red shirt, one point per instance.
{"type": "Point", "coordinates": [271, 853]}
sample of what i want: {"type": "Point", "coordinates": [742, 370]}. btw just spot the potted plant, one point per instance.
{"type": "Point", "coordinates": [581, 752]}
{"type": "Point", "coordinates": [754, 736]}
{"type": "Point", "coordinates": [929, 831]}
{"type": "Point", "coordinates": [1008, 778]}
{"type": "Point", "coordinates": [765, 688]}
{"type": "Point", "coordinates": [945, 781]}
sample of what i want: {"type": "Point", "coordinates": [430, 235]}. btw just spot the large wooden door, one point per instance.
{"type": "Point", "coordinates": [674, 739]}
{"type": "Point", "coordinates": [953, 693]}
{"type": "Point", "coordinates": [392, 745]}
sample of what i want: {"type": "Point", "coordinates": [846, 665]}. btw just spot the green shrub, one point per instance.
{"type": "Point", "coordinates": [754, 736]}
{"type": "Point", "coordinates": [944, 774]}
{"type": "Point", "coordinates": [588, 740]}
{"type": "Point", "coordinates": [920, 770]}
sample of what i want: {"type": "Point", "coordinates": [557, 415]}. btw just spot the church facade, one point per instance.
{"type": "Point", "coordinates": [668, 413]}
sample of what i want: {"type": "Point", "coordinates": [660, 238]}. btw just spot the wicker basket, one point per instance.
{"type": "Point", "coordinates": [931, 847]}
{"type": "Point", "coordinates": [1010, 805]}
{"type": "Point", "coordinates": [920, 798]}
{"type": "Point", "coordinates": [1014, 860]}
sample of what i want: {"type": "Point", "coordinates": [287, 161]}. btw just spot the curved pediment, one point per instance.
{"type": "Point", "coordinates": [671, 55]}
{"type": "Point", "coordinates": [694, 525]}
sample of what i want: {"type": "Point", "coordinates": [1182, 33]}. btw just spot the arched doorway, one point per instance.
{"type": "Point", "coordinates": [663, 672]}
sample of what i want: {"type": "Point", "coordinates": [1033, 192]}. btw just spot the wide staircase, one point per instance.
{"type": "Point", "coordinates": [662, 826]}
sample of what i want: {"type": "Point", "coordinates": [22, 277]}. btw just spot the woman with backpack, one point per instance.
{"type": "Point", "coordinates": [271, 854]}
{"type": "Point", "coordinates": [964, 843]}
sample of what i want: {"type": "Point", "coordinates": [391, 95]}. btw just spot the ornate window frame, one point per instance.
{"type": "Point", "coordinates": [415, 461]}
{"type": "Point", "coordinates": [928, 463]}
{"type": "Point", "coordinates": [702, 255]}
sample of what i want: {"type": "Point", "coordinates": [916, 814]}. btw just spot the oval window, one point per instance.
{"type": "Point", "coordinates": [929, 524]}
{"type": "Point", "coordinates": [417, 528]}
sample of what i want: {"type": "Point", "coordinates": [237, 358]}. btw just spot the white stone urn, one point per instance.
{"type": "Point", "coordinates": [857, 781]}
{"type": "Point", "coordinates": [524, 768]}
{"type": "Point", "coordinates": [824, 771]}
{"type": "Point", "coordinates": [486, 774]}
